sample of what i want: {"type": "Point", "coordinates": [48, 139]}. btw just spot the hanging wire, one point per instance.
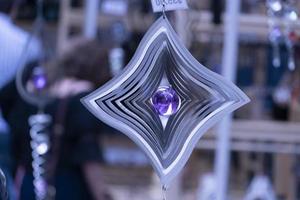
{"type": "Point", "coordinates": [164, 192]}
{"type": "Point", "coordinates": [164, 9]}
{"type": "Point", "coordinates": [21, 87]}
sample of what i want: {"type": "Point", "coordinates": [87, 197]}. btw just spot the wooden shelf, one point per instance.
{"type": "Point", "coordinates": [259, 136]}
{"type": "Point", "coordinates": [198, 22]}
{"type": "Point", "coordinates": [254, 25]}
{"type": "Point", "coordinates": [246, 135]}
{"type": "Point", "coordinates": [273, 131]}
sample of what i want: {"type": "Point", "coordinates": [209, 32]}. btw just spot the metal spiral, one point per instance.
{"type": "Point", "coordinates": [40, 145]}
{"type": "Point", "coordinates": [3, 188]}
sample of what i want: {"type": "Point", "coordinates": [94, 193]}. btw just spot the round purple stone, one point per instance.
{"type": "Point", "coordinates": [39, 78]}
{"type": "Point", "coordinates": [165, 101]}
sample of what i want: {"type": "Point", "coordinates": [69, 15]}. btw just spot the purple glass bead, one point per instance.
{"type": "Point", "coordinates": [39, 78]}
{"type": "Point", "coordinates": [165, 101]}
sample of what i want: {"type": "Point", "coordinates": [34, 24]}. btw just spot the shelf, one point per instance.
{"type": "Point", "coordinates": [254, 25]}
{"type": "Point", "coordinates": [76, 18]}
{"type": "Point", "coordinates": [270, 131]}
{"type": "Point", "coordinates": [259, 136]}
{"type": "Point", "coordinates": [246, 135]}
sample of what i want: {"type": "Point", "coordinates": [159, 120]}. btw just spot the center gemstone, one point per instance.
{"type": "Point", "coordinates": [165, 101]}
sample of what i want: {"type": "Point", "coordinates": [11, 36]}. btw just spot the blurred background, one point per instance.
{"type": "Point", "coordinates": [264, 135]}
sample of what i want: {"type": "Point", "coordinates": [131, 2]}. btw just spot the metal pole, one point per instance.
{"type": "Point", "coordinates": [91, 16]}
{"type": "Point", "coordinates": [229, 65]}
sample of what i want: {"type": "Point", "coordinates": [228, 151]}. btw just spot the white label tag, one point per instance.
{"type": "Point", "coordinates": [157, 5]}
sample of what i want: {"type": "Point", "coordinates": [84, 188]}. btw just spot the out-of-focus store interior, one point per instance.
{"type": "Point", "coordinates": [265, 134]}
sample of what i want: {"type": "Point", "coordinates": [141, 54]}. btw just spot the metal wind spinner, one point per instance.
{"type": "Point", "coordinates": [165, 100]}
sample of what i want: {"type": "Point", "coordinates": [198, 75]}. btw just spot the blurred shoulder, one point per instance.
{"type": "Point", "coordinates": [75, 104]}
{"type": "Point", "coordinates": [79, 114]}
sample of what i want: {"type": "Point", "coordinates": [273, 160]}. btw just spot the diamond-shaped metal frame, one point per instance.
{"type": "Point", "coordinates": [124, 102]}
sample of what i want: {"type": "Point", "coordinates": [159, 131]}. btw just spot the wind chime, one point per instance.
{"type": "Point", "coordinates": [260, 188]}
{"type": "Point", "coordinates": [164, 99]}
{"type": "Point", "coordinates": [286, 12]}
{"type": "Point", "coordinates": [32, 89]}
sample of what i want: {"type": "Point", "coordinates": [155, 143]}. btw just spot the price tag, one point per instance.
{"type": "Point", "coordinates": [157, 5]}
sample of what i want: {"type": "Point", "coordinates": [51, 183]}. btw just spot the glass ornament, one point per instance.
{"type": "Point", "coordinates": [165, 101]}
{"type": "Point", "coordinates": [39, 78]}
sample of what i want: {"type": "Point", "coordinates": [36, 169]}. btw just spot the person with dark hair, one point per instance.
{"type": "Point", "coordinates": [74, 164]}
{"type": "Point", "coordinates": [80, 65]}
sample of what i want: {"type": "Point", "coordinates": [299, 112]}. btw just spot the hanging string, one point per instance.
{"type": "Point", "coordinates": [164, 8]}
{"type": "Point", "coordinates": [164, 192]}
{"type": "Point", "coordinates": [37, 28]}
